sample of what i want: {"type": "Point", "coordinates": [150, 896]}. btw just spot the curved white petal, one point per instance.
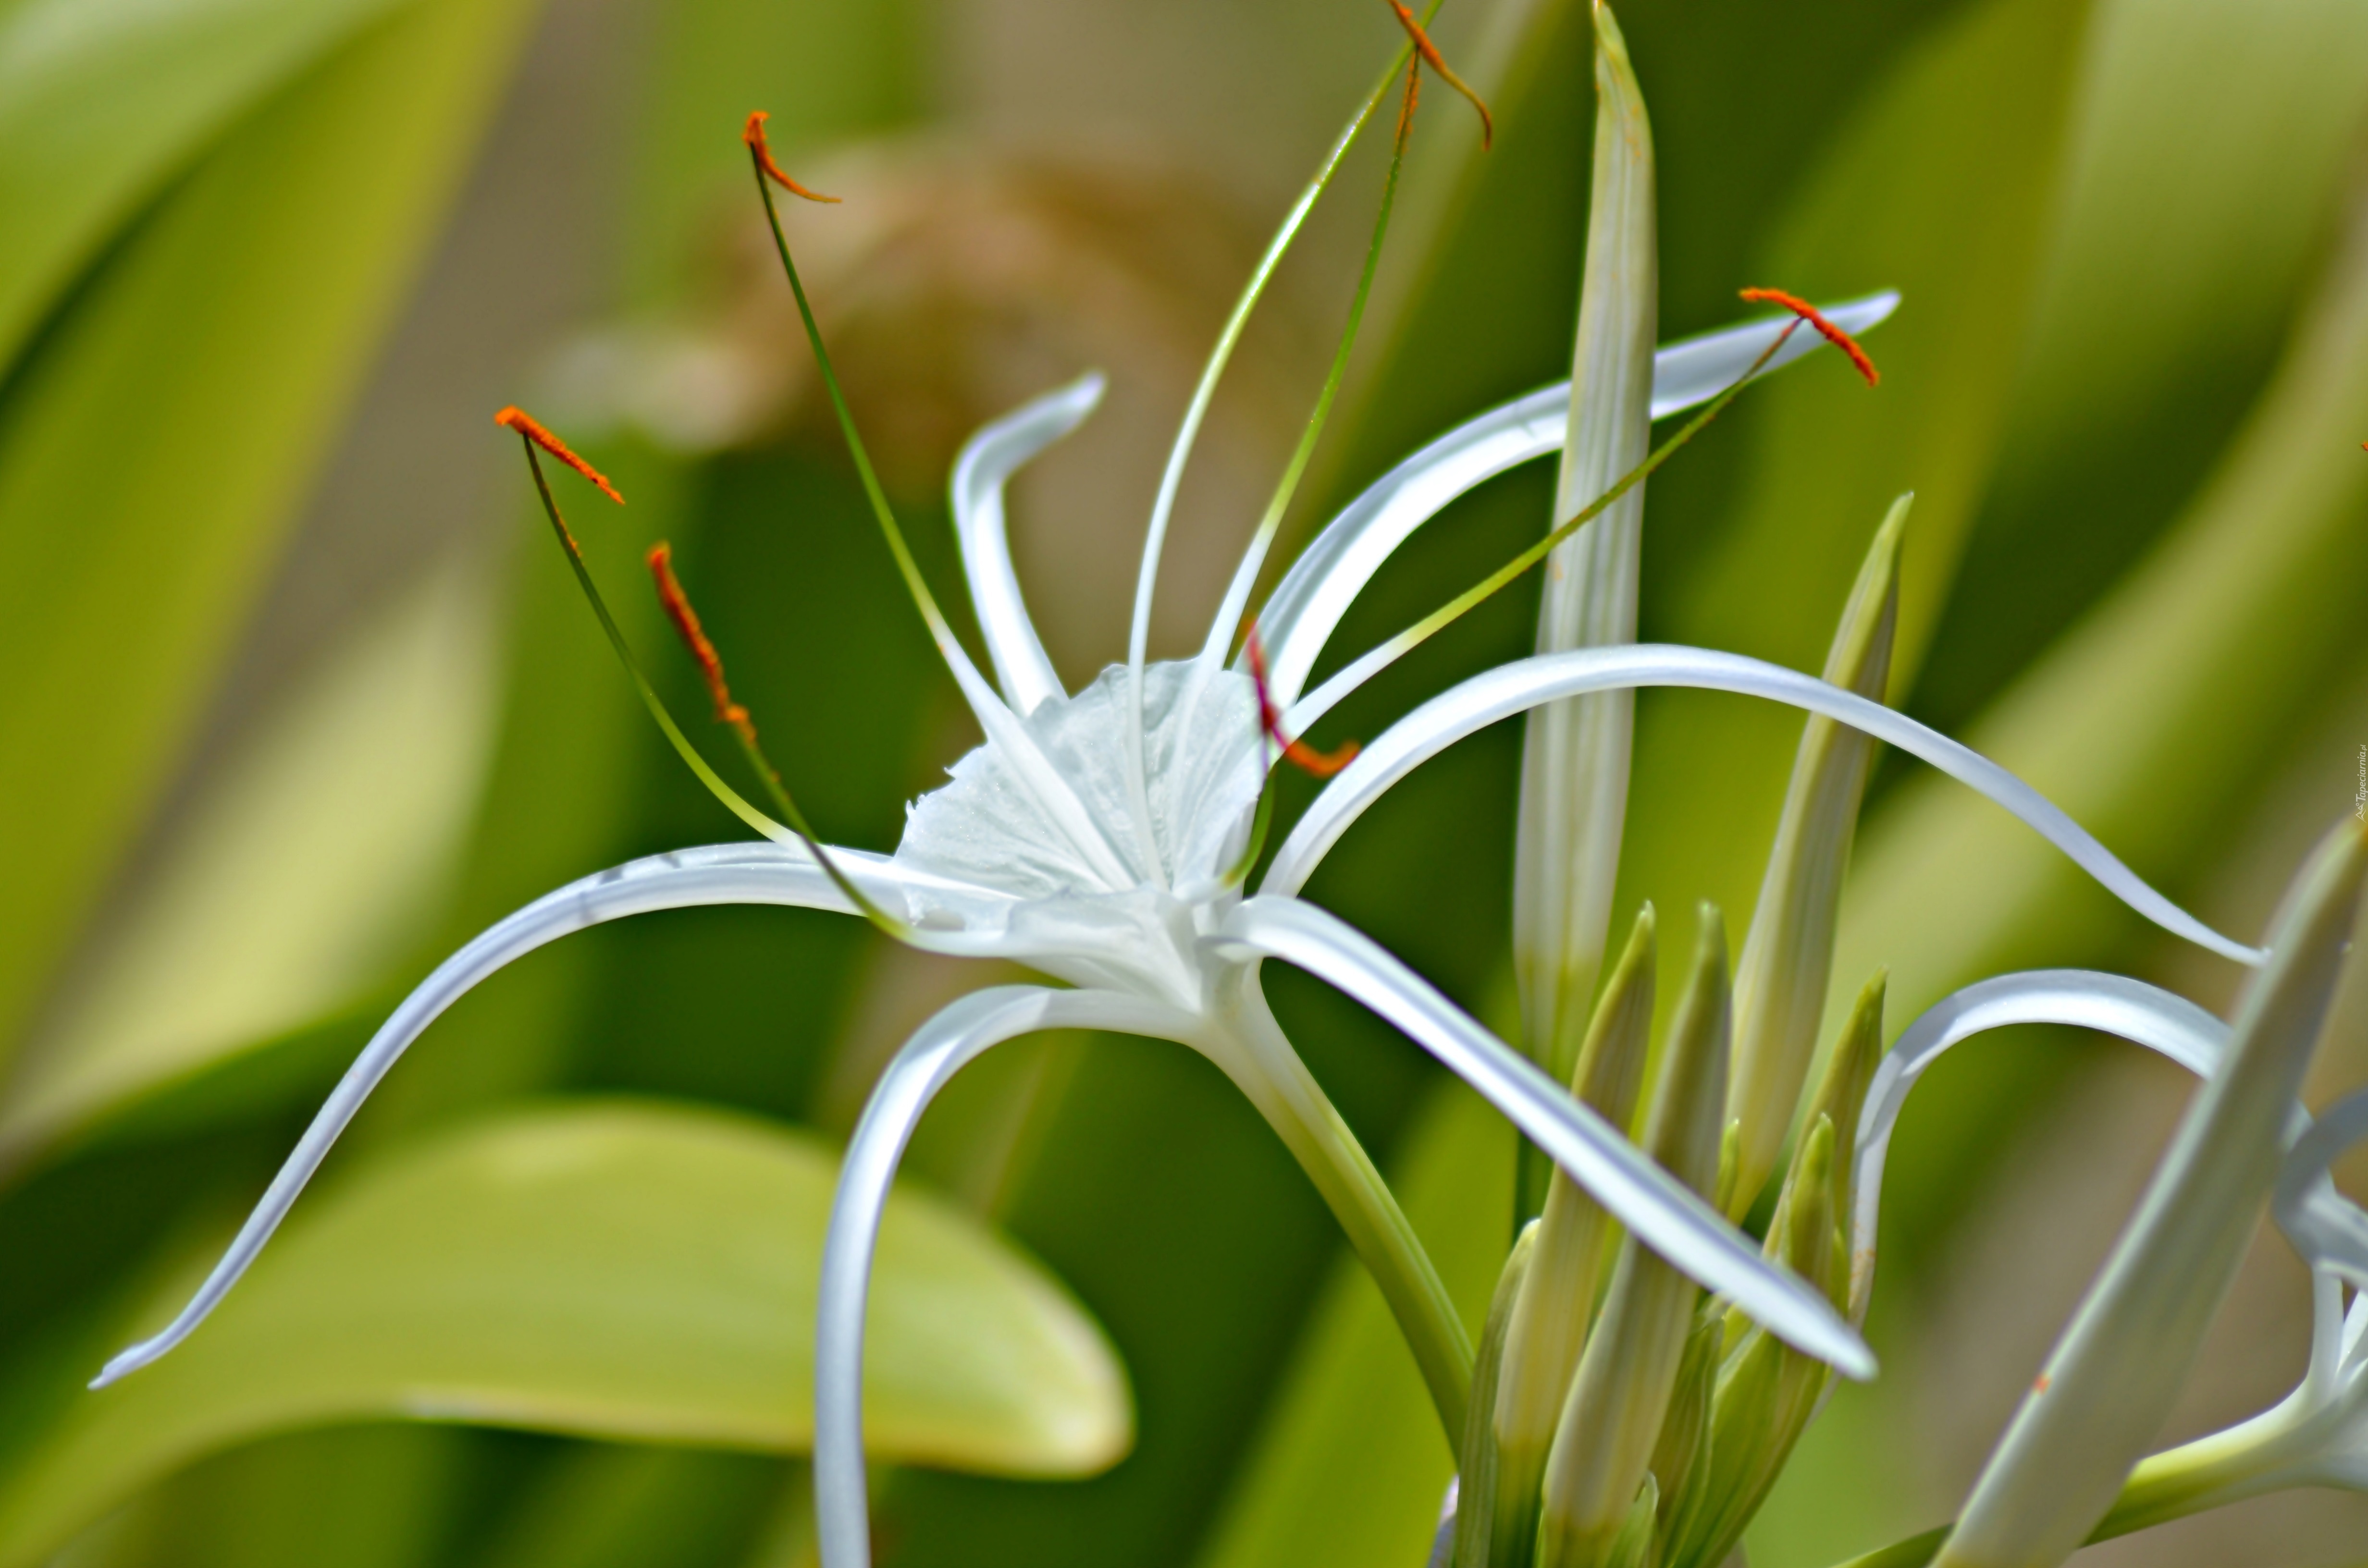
{"type": "Point", "coordinates": [1514, 688]}
{"type": "Point", "coordinates": [2110, 1003]}
{"type": "Point", "coordinates": [940, 1048]}
{"type": "Point", "coordinates": [2329, 1230]}
{"type": "Point", "coordinates": [723, 873]}
{"type": "Point", "coordinates": [1657, 1208]}
{"type": "Point", "coordinates": [1305, 607]}
{"type": "Point", "coordinates": [987, 459]}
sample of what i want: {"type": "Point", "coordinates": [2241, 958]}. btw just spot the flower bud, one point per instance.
{"type": "Point", "coordinates": [1779, 986]}
{"type": "Point", "coordinates": [1611, 1421]}
{"type": "Point", "coordinates": [1557, 1298]}
{"type": "Point", "coordinates": [1574, 753]}
{"type": "Point", "coordinates": [1476, 1468]}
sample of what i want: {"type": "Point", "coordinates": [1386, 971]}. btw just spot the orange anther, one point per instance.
{"type": "Point", "coordinates": [1817, 318]}
{"type": "Point", "coordinates": [753, 133]}
{"type": "Point", "coordinates": [694, 636]}
{"type": "Point", "coordinates": [2042, 1385]}
{"type": "Point", "coordinates": [528, 425]}
{"type": "Point", "coordinates": [1428, 53]}
{"type": "Point", "coordinates": [1299, 753]}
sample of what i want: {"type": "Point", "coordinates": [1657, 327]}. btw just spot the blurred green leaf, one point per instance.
{"type": "Point", "coordinates": [1939, 187]}
{"type": "Point", "coordinates": [374, 1496]}
{"type": "Point", "coordinates": [1350, 1467]}
{"type": "Point", "coordinates": [159, 446]}
{"type": "Point", "coordinates": [101, 101]}
{"type": "Point", "coordinates": [2211, 143]}
{"type": "Point", "coordinates": [626, 1272]}
{"type": "Point", "coordinates": [298, 878]}
{"type": "Point", "coordinates": [2151, 719]}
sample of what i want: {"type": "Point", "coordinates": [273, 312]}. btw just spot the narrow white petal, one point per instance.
{"type": "Point", "coordinates": [2110, 1004]}
{"type": "Point", "coordinates": [2117, 1368]}
{"type": "Point", "coordinates": [1511, 688]}
{"type": "Point", "coordinates": [1305, 607]}
{"type": "Point", "coordinates": [723, 873]}
{"type": "Point", "coordinates": [2327, 1229]}
{"type": "Point", "coordinates": [987, 459]}
{"type": "Point", "coordinates": [1651, 1202]}
{"type": "Point", "coordinates": [940, 1048]}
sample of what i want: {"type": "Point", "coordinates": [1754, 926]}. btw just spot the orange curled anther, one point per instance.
{"type": "Point", "coordinates": [533, 429]}
{"type": "Point", "coordinates": [1299, 753]}
{"type": "Point", "coordinates": [694, 636]}
{"type": "Point", "coordinates": [1429, 54]}
{"type": "Point", "coordinates": [753, 133]}
{"type": "Point", "coordinates": [1817, 318]}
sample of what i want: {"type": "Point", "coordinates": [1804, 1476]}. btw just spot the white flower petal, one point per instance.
{"type": "Point", "coordinates": [2117, 1368]}
{"type": "Point", "coordinates": [940, 1048]}
{"type": "Point", "coordinates": [1305, 607]}
{"type": "Point", "coordinates": [1654, 1204]}
{"type": "Point", "coordinates": [987, 459]}
{"type": "Point", "coordinates": [1510, 689]}
{"type": "Point", "coordinates": [2110, 1004]}
{"type": "Point", "coordinates": [2327, 1229]}
{"type": "Point", "coordinates": [723, 873]}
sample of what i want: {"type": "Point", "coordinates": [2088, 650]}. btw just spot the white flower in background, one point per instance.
{"type": "Point", "coordinates": [2068, 1470]}
{"type": "Point", "coordinates": [1103, 837]}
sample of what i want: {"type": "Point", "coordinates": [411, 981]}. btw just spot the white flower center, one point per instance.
{"type": "Point", "coordinates": [995, 827]}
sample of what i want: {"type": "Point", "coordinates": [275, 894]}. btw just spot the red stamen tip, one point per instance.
{"type": "Point", "coordinates": [1826, 328]}
{"type": "Point", "coordinates": [1299, 753]}
{"type": "Point", "coordinates": [694, 636]}
{"type": "Point", "coordinates": [533, 429]}
{"type": "Point", "coordinates": [1428, 52]}
{"type": "Point", "coordinates": [752, 136]}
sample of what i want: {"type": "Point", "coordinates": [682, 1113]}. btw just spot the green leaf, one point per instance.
{"type": "Point", "coordinates": [157, 449]}
{"type": "Point", "coordinates": [1939, 187]}
{"type": "Point", "coordinates": [2150, 719]}
{"type": "Point", "coordinates": [628, 1271]}
{"type": "Point", "coordinates": [101, 101]}
{"type": "Point", "coordinates": [276, 905]}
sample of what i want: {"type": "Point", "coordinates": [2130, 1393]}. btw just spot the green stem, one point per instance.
{"type": "Point", "coordinates": [940, 631]}
{"type": "Point", "coordinates": [1221, 634]}
{"type": "Point", "coordinates": [1262, 1062]}
{"type": "Point", "coordinates": [2208, 1473]}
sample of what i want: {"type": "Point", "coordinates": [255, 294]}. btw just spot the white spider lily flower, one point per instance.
{"type": "Point", "coordinates": [2319, 1434]}
{"type": "Point", "coordinates": [1052, 886]}
{"type": "Point", "coordinates": [1574, 753]}
{"type": "Point", "coordinates": [2114, 1373]}
{"type": "Point", "coordinates": [1100, 838]}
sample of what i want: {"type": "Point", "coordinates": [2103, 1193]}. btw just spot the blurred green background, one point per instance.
{"type": "Point", "coordinates": [301, 698]}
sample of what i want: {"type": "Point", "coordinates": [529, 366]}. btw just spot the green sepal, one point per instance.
{"type": "Point", "coordinates": [1683, 1453]}
{"type": "Point", "coordinates": [1548, 1330]}
{"type": "Point", "coordinates": [1611, 1423]}
{"type": "Point", "coordinates": [1767, 1391]}
{"type": "Point", "coordinates": [1477, 1461]}
{"type": "Point", "coordinates": [1632, 1547]}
